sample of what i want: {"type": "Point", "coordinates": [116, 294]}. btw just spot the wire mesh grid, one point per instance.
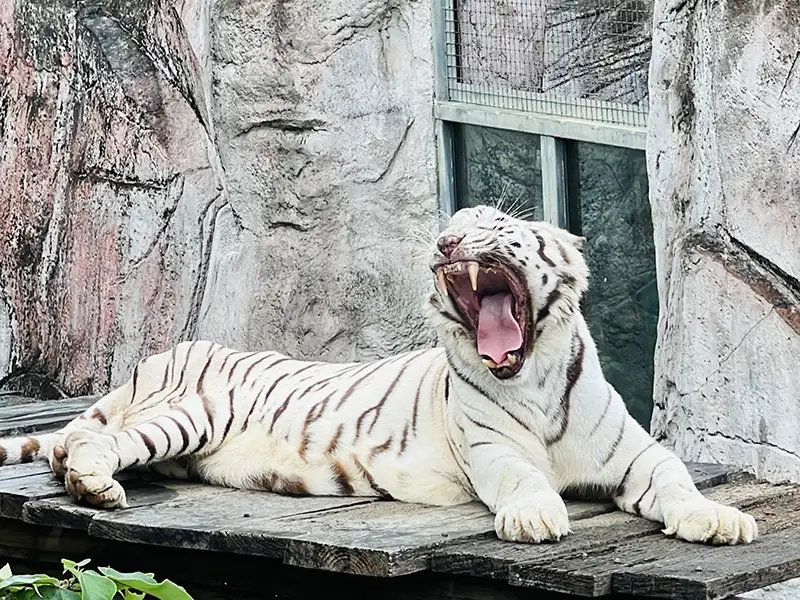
{"type": "Point", "coordinates": [583, 59]}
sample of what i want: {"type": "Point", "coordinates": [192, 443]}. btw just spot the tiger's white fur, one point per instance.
{"type": "Point", "coordinates": [433, 426]}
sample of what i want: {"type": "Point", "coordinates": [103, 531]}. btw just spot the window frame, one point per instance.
{"type": "Point", "coordinates": [555, 131]}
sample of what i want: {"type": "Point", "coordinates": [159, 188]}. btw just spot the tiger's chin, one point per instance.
{"type": "Point", "coordinates": [491, 300]}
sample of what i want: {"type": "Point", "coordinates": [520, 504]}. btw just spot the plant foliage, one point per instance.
{"type": "Point", "coordinates": [87, 584]}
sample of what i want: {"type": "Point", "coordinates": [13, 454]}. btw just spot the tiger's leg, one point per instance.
{"type": "Point", "coordinates": [526, 506]}
{"type": "Point", "coordinates": [94, 457]}
{"type": "Point", "coordinates": [655, 484]}
{"type": "Point", "coordinates": [103, 416]}
{"type": "Point", "coordinates": [49, 446]}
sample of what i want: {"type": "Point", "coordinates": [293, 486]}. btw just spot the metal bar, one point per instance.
{"type": "Point", "coordinates": [444, 68]}
{"type": "Point", "coordinates": [439, 49]}
{"type": "Point", "coordinates": [554, 180]}
{"type": "Point", "coordinates": [448, 16]}
{"type": "Point", "coordinates": [631, 115]}
{"type": "Point", "coordinates": [445, 166]}
{"type": "Point", "coordinates": [560, 127]}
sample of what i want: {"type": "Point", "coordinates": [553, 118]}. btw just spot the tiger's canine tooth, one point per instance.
{"type": "Point", "coordinates": [441, 282]}
{"type": "Point", "coordinates": [512, 359]}
{"type": "Point", "coordinates": [473, 269]}
{"type": "Point", "coordinates": [489, 363]}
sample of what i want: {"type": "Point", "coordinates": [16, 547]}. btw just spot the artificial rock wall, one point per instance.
{"type": "Point", "coordinates": [724, 170]}
{"type": "Point", "coordinates": [249, 172]}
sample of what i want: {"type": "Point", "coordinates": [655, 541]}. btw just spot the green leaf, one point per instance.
{"type": "Point", "coordinates": [128, 594]}
{"type": "Point", "coordinates": [96, 587]}
{"type": "Point", "coordinates": [55, 593]}
{"type": "Point", "coordinates": [166, 590]}
{"type": "Point", "coordinates": [93, 585]}
{"type": "Point", "coordinates": [128, 579]}
{"type": "Point", "coordinates": [5, 572]}
{"type": "Point", "coordinates": [26, 594]}
{"type": "Point", "coordinates": [73, 567]}
{"type": "Point", "coordinates": [27, 580]}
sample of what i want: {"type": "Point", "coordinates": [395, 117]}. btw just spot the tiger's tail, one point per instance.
{"type": "Point", "coordinates": [25, 449]}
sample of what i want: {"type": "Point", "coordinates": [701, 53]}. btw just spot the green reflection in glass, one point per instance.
{"type": "Point", "coordinates": [498, 165]}
{"type": "Point", "coordinates": [608, 204]}
{"type": "Point", "coordinates": [610, 207]}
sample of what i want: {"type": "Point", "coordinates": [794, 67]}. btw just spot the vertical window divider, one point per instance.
{"type": "Point", "coordinates": [443, 41]}
{"type": "Point", "coordinates": [554, 180]}
{"type": "Point", "coordinates": [445, 166]}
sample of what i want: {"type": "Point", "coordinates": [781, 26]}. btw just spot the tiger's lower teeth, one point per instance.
{"type": "Point", "coordinates": [510, 361]}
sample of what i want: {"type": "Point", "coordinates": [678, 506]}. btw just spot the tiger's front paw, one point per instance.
{"type": "Point", "coordinates": [704, 521]}
{"type": "Point", "coordinates": [100, 491]}
{"type": "Point", "coordinates": [89, 460]}
{"type": "Point", "coordinates": [537, 518]}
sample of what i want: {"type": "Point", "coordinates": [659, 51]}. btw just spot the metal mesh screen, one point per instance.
{"type": "Point", "coordinates": [584, 59]}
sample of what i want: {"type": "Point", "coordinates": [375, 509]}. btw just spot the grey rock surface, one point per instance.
{"type": "Point", "coordinates": [724, 182]}
{"type": "Point", "coordinates": [249, 172]}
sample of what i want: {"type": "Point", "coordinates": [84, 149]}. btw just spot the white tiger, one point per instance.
{"type": "Point", "coordinates": [513, 410]}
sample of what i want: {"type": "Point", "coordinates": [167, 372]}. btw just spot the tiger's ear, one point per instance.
{"type": "Point", "coordinates": [575, 240]}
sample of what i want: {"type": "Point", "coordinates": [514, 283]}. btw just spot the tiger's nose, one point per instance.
{"type": "Point", "coordinates": [448, 243]}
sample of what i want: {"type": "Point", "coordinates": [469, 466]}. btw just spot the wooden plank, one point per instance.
{"type": "Point", "coordinates": [14, 493]}
{"type": "Point", "coordinates": [197, 511]}
{"type": "Point", "coordinates": [46, 415]}
{"type": "Point", "coordinates": [384, 539]}
{"type": "Point", "coordinates": [185, 519]}
{"type": "Point", "coordinates": [708, 475]}
{"type": "Point", "coordinates": [719, 573]}
{"type": "Point", "coordinates": [492, 557]}
{"type": "Point", "coordinates": [339, 534]}
{"type": "Point", "coordinates": [17, 471]}
{"type": "Point", "coordinates": [63, 511]}
{"type": "Point", "coordinates": [218, 576]}
{"type": "Point", "coordinates": [349, 535]}
{"type": "Point", "coordinates": [12, 398]}
{"type": "Point", "coordinates": [589, 572]}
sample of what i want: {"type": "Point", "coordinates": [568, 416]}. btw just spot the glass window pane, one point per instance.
{"type": "Point", "coordinates": [498, 165]}
{"type": "Point", "coordinates": [610, 207]}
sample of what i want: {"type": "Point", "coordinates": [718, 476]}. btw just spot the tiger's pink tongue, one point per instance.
{"type": "Point", "coordinates": [498, 332]}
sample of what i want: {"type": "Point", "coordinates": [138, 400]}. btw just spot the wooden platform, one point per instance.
{"type": "Point", "coordinates": [609, 553]}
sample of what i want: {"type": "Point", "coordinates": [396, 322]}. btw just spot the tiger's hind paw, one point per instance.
{"type": "Point", "coordinates": [101, 491]}
{"type": "Point", "coordinates": [704, 521]}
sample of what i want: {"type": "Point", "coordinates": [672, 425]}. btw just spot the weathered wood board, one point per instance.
{"type": "Point", "coordinates": [352, 535]}
{"type": "Point", "coordinates": [21, 419]}
{"type": "Point", "coordinates": [697, 575]}
{"type": "Point", "coordinates": [385, 539]}
{"type": "Point", "coordinates": [492, 557]}
{"type": "Point", "coordinates": [592, 569]}
{"type": "Point", "coordinates": [609, 552]}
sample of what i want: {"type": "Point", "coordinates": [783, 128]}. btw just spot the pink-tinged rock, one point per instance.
{"type": "Point", "coordinates": [209, 172]}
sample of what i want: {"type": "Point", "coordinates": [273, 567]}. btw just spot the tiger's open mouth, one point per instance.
{"type": "Point", "coordinates": [493, 301]}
